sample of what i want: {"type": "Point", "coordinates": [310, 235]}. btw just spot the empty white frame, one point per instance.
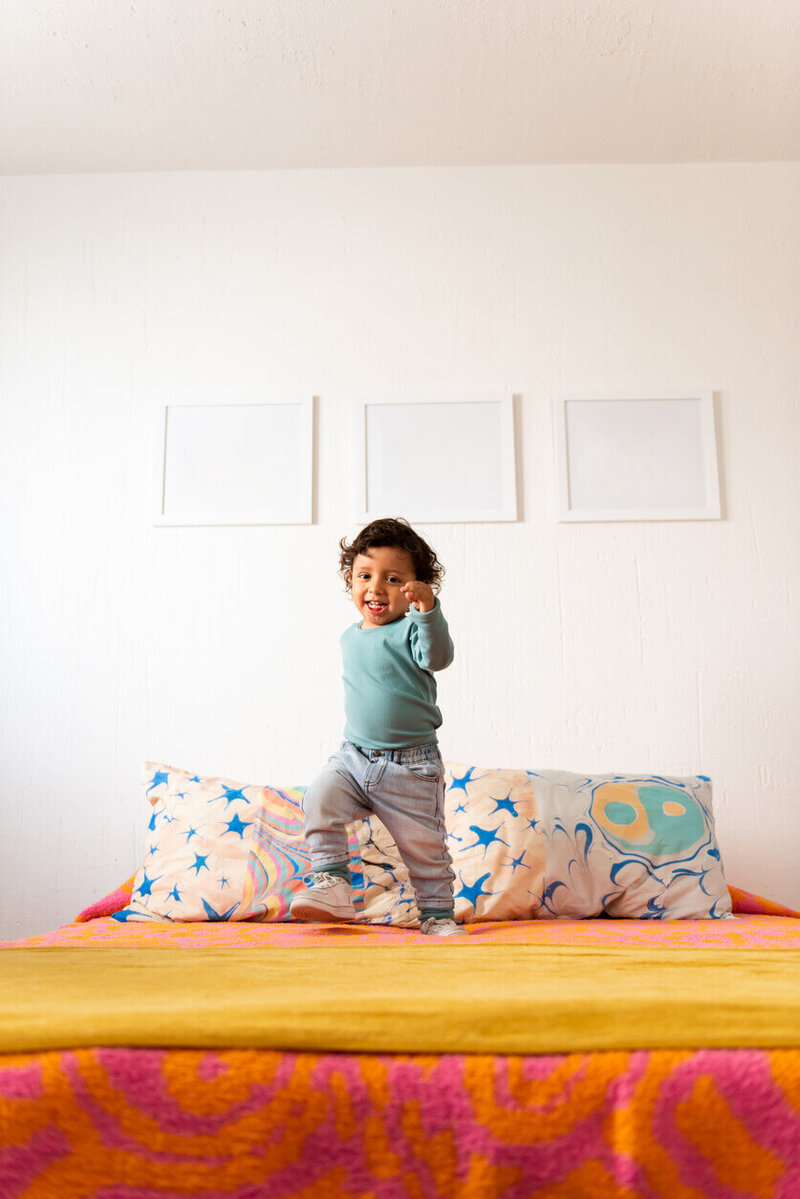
{"type": "Point", "coordinates": [439, 460]}
{"type": "Point", "coordinates": [637, 457]}
{"type": "Point", "coordinates": [236, 463]}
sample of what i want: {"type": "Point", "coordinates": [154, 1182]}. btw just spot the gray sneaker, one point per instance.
{"type": "Point", "coordinates": [327, 899]}
{"type": "Point", "coordinates": [442, 926]}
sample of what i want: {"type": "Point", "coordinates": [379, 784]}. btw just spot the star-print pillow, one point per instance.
{"type": "Point", "coordinates": [552, 844]}
{"type": "Point", "coordinates": [217, 850]}
{"type": "Point", "coordinates": [498, 854]}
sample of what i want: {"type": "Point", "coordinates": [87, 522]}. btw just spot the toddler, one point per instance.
{"type": "Point", "coordinates": [389, 763]}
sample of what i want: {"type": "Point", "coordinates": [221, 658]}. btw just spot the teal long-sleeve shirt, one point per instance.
{"type": "Point", "coordinates": [389, 688]}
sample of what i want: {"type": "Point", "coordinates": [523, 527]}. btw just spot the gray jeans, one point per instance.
{"type": "Point", "coordinates": [404, 788]}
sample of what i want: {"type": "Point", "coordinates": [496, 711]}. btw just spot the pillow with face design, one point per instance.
{"type": "Point", "coordinates": [552, 844]}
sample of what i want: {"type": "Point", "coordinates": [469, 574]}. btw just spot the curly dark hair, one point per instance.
{"type": "Point", "coordinates": [396, 533]}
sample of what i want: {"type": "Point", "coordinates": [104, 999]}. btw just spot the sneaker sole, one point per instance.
{"type": "Point", "coordinates": [458, 932]}
{"type": "Point", "coordinates": [307, 911]}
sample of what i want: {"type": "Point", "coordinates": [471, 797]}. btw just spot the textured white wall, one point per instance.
{"type": "Point", "coordinates": [669, 647]}
{"type": "Point", "coordinates": [261, 84]}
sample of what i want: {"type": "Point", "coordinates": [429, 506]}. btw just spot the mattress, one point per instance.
{"type": "Point", "coordinates": [570, 1064]}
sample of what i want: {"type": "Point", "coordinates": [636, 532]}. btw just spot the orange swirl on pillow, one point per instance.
{"type": "Point", "coordinates": [617, 808]}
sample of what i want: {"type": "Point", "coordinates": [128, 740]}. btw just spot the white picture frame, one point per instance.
{"type": "Point", "coordinates": [438, 460]}
{"type": "Point", "coordinates": [235, 461]}
{"type": "Point", "coordinates": [636, 456]}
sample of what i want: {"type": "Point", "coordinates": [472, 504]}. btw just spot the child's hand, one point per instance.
{"type": "Point", "coordinates": [420, 594]}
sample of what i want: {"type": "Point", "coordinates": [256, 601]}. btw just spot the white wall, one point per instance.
{"type": "Point", "coordinates": [670, 647]}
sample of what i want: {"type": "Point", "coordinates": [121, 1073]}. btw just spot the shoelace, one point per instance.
{"type": "Point", "coordinates": [432, 921]}
{"type": "Point", "coordinates": [323, 881]}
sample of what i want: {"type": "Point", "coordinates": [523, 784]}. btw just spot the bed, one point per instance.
{"type": "Point", "coordinates": [535, 1057]}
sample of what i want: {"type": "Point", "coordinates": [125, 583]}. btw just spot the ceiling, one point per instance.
{"type": "Point", "coordinates": [158, 85]}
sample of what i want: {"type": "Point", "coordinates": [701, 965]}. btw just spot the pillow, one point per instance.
{"type": "Point", "coordinates": [550, 844]}
{"type": "Point", "coordinates": [217, 849]}
{"type": "Point", "coordinates": [491, 817]}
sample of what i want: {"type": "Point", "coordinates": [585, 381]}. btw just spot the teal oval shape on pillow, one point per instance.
{"type": "Point", "coordinates": [663, 823]}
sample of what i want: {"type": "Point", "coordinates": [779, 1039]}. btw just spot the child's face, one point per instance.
{"type": "Point", "coordinates": [375, 583]}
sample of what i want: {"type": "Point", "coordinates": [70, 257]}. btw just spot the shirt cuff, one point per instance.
{"type": "Point", "coordinates": [415, 613]}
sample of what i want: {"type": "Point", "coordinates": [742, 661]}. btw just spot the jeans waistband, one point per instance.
{"type": "Point", "coordinates": [410, 753]}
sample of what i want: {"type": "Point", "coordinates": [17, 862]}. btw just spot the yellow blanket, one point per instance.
{"type": "Point", "coordinates": [462, 998]}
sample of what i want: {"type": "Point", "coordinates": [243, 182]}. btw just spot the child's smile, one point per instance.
{"type": "Point", "coordinates": [376, 584]}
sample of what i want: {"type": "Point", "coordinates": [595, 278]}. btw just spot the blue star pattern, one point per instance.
{"type": "Point", "coordinates": [128, 914]}
{"type": "Point", "coordinates": [146, 885]}
{"type": "Point", "coordinates": [238, 826]}
{"type": "Point", "coordinates": [485, 837]}
{"type": "Point", "coordinates": [516, 862]}
{"type": "Point", "coordinates": [553, 844]}
{"type": "Point", "coordinates": [507, 805]}
{"type": "Point", "coordinates": [217, 850]}
{"type": "Point", "coordinates": [472, 892]}
{"type": "Point", "coordinates": [159, 778]}
{"type": "Point", "coordinates": [230, 795]}
{"type": "Point", "coordinates": [463, 781]}
{"type": "Point", "coordinates": [213, 915]}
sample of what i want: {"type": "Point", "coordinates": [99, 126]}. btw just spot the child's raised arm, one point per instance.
{"type": "Point", "coordinates": [430, 641]}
